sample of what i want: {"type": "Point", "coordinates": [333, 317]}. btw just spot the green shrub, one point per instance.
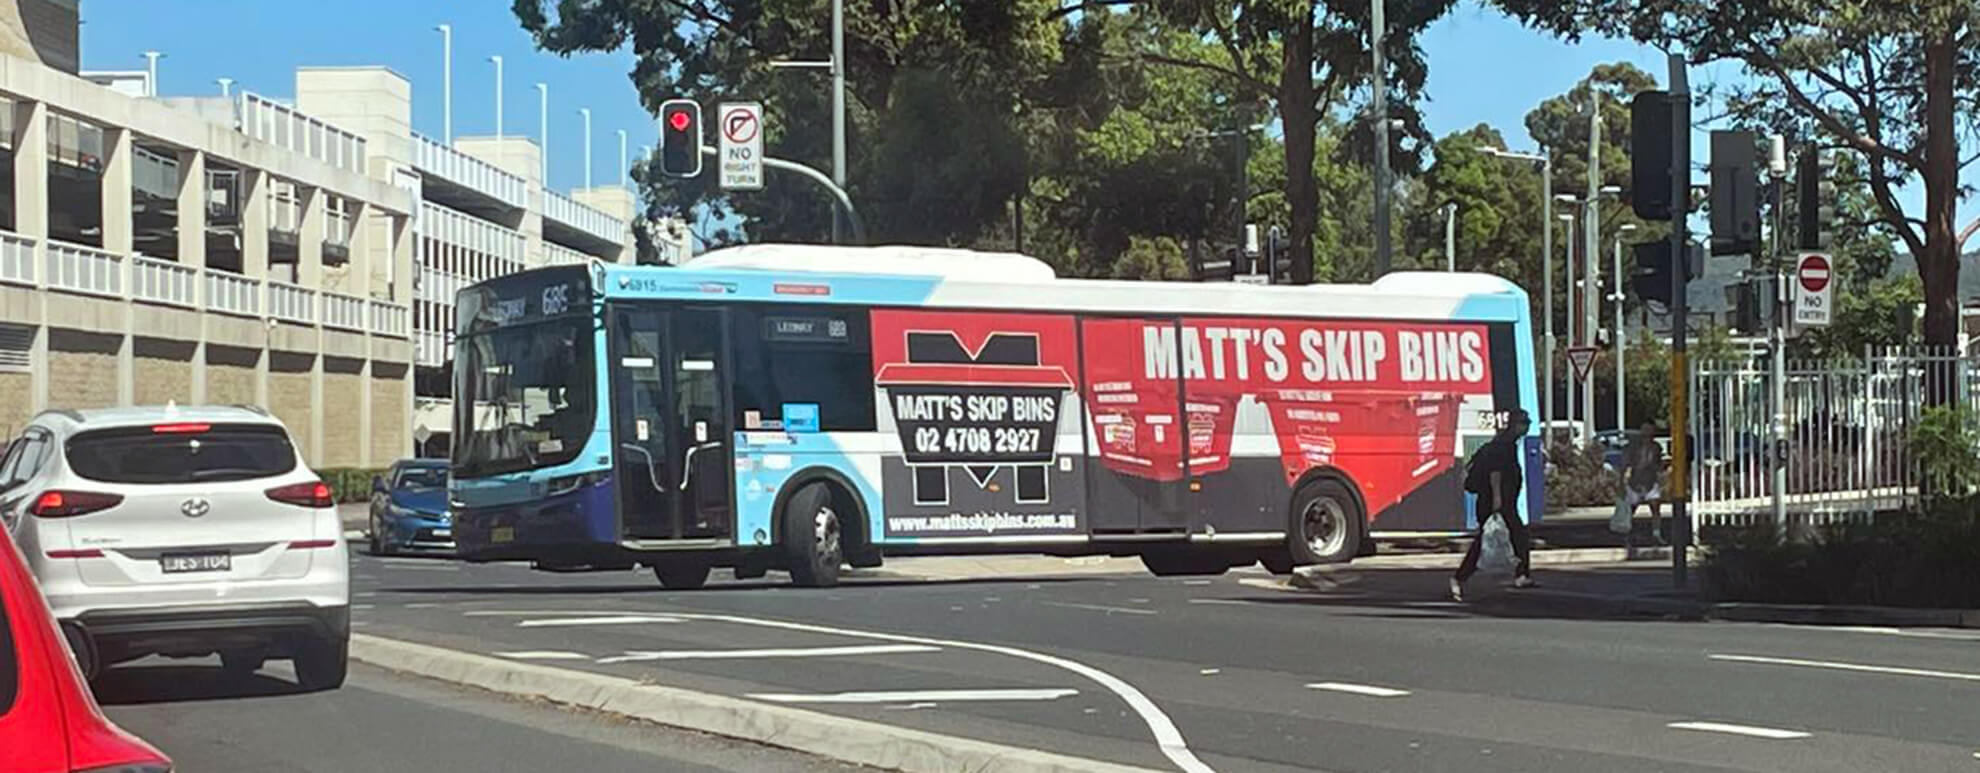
{"type": "Point", "coordinates": [1576, 478]}
{"type": "Point", "coordinates": [1946, 443]}
{"type": "Point", "coordinates": [1929, 558]}
{"type": "Point", "coordinates": [349, 484]}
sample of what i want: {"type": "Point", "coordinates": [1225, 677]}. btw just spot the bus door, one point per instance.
{"type": "Point", "coordinates": [1133, 391]}
{"type": "Point", "coordinates": [669, 391]}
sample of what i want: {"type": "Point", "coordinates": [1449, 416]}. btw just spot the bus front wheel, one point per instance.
{"type": "Point", "coordinates": [676, 575]}
{"type": "Point", "coordinates": [812, 537]}
{"type": "Point", "coordinates": [1326, 524]}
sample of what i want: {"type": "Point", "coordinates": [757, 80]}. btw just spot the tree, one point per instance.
{"type": "Point", "coordinates": [1498, 229]}
{"type": "Point", "coordinates": [1893, 82]}
{"type": "Point", "coordinates": [1303, 57]}
{"type": "Point", "coordinates": [1157, 257]}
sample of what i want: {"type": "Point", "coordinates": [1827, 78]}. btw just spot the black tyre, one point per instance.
{"type": "Point", "coordinates": [1277, 561]}
{"type": "Point", "coordinates": [1326, 525]}
{"type": "Point", "coordinates": [322, 664]}
{"type": "Point", "coordinates": [377, 538]}
{"type": "Point", "coordinates": [239, 665]}
{"type": "Point", "coordinates": [681, 575]}
{"type": "Point", "coordinates": [812, 532]}
{"type": "Point", "coordinates": [89, 660]}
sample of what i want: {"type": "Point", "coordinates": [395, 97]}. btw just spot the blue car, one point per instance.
{"type": "Point", "coordinates": [409, 509]}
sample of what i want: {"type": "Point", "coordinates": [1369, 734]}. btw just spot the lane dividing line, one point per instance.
{"type": "Point", "coordinates": [635, 656]}
{"type": "Point", "coordinates": [1894, 670]}
{"type": "Point", "coordinates": [1913, 633]}
{"type": "Point", "coordinates": [1099, 608]}
{"type": "Point", "coordinates": [615, 620]}
{"type": "Point", "coordinates": [542, 655]}
{"type": "Point", "coordinates": [912, 696]}
{"type": "Point", "coordinates": [1359, 689]}
{"type": "Point", "coordinates": [1749, 731]}
{"type": "Point", "coordinates": [1167, 737]}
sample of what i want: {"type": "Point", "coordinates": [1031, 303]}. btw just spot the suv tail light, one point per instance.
{"type": "Point", "coordinates": [64, 504]}
{"type": "Point", "coordinates": [311, 494]}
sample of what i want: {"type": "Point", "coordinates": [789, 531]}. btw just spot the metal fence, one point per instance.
{"type": "Point", "coordinates": [1844, 450]}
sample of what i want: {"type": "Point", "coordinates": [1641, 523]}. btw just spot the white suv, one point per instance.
{"type": "Point", "coordinates": [182, 532]}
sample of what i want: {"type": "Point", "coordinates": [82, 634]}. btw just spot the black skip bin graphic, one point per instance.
{"type": "Point", "coordinates": [994, 407]}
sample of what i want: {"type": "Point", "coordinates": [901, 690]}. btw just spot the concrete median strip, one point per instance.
{"type": "Point", "coordinates": [851, 740]}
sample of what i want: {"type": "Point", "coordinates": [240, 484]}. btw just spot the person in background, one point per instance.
{"type": "Point", "coordinates": [1643, 477]}
{"type": "Point", "coordinates": [1495, 476]}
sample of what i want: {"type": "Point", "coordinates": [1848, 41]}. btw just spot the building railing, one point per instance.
{"type": "Point", "coordinates": [498, 248]}
{"type": "Point", "coordinates": [568, 211]}
{"type": "Point", "coordinates": [555, 254]}
{"type": "Point", "coordinates": [343, 312]}
{"type": "Point", "coordinates": [430, 348]}
{"type": "Point", "coordinates": [278, 124]}
{"type": "Point", "coordinates": [16, 259]}
{"type": "Point", "coordinates": [75, 268]}
{"type": "Point", "coordinates": [163, 281]}
{"type": "Point", "coordinates": [434, 158]}
{"type": "Point", "coordinates": [291, 303]}
{"type": "Point", "coordinates": [230, 293]}
{"type": "Point", "coordinates": [83, 269]}
{"type": "Point", "coordinates": [390, 319]}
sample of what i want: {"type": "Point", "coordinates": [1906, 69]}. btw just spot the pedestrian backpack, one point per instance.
{"type": "Point", "coordinates": [1478, 471]}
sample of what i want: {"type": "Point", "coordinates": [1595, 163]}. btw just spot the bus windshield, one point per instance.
{"type": "Point", "coordinates": [526, 396]}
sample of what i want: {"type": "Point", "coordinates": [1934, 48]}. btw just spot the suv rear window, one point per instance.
{"type": "Point", "coordinates": [182, 453]}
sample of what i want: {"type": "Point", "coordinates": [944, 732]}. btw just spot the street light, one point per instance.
{"type": "Point", "coordinates": [1450, 236]}
{"type": "Point", "coordinates": [1616, 300]}
{"type": "Point", "coordinates": [497, 60]}
{"type": "Point", "coordinates": [151, 73]}
{"type": "Point", "coordinates": [622, 158]}
{"type": "Point", "coordinates": [226, 86]}
{"type": "Point", "coordinates": [586, 112]}
{"type": "Point", "coordinates": [446, 83]}
{"type": "Point", "coordinates": [543, 133]}
{"type": "Point", "coordinates": [1569, 219]}
{"type": "Point", "coordinates": [837, 64]}
{"type": "Point", "coordinates": [1546, 162]}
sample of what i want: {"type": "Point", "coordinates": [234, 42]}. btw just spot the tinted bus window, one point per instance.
{"type": "Point", "coordinates": [222, 453]}
{"type": "Point", "coordinates": [817, 356]}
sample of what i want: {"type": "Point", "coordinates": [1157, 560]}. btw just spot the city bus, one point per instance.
{"type": "Point", "coordinates": [804, 408]}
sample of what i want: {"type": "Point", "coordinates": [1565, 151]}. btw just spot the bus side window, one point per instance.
{"type": "Point", "coordinates": [785, 355]}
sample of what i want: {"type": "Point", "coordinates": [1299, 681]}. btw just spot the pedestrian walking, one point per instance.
{"type": "Point", "coordinates": [1643, 479]}
{"type": "Point", "coordinates": [1495, 477]}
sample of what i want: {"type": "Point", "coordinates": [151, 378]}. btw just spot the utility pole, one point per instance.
{"type": "Point", "coordinates": [1616, 273]}
{"type": "Point", "coordinates": [497, 60]}
{"type": "Point", "coordinates": [1377, 29]}
{"type": "Point", "coordinates": [446, 84]}
{"type": "Point", "coordinates": [838, 104]}
{"type": "Point", "coordinates": [1681, 450]}
{"type": "Point", "coordinates": [1777, 329]}
{"type": "Point", "coordinates": [1450, 236]}
{"type": "Point", "coordinates": [623, 164]}
{"type": "Point", "coordinates": [586, 112]}
{"type": "Point", "coordinates": [1570, 258]}
{"type": "Point", "coordinates": [1591, 254]}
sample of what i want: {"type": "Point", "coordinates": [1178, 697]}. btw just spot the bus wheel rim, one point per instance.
{"type": "Point", "coordinates": [1325, 526]}
{"type": "Point", "coordinates": [825, 532]}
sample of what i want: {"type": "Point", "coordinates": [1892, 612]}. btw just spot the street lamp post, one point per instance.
{"type": "Point", "coordinates": [1546, 161]}
{"type": "Point", "coordinates": [151, 73]}
{"type": "Point", "coordinates": [497, 60]}
{"type": "Point", "coordinates": [1450, 236]}
{"type": "Point", "coordinates": [1616, 302]}
{"type": "Point", "coordinates": [837, 66]}
{"type": "Point", "coordinates": [586, 112]}
{"type": "Point", "coordinates": [1376, 29]}
{"type": "Point", "coordinates": [1569, 219]}
{"type": "Point", "coordinates": [622, 158]}
{"type": "Point", "coordinates": [543, 132]}
{"type": "Point", "coordinates": [226, 86]}
{"type": "Point", "coordinates": [446, 84]}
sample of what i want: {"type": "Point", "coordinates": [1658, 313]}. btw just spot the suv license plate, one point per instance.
{"type": "Point", "coordinates": [196, 562]}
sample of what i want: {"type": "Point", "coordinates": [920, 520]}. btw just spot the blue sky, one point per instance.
{"type": "Point", "coordinates": [1483, 66]}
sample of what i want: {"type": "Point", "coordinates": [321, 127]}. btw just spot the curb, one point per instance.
{"type": "Point", "coordinates": [1846, 615]}
{"type": "Point", "coordinates": [851, 740]}
{"type": "Point", "coordinates": [1554, 557]}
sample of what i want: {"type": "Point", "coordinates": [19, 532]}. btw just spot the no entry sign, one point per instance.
{"type": "Point", "coordinates": [1813, 283]}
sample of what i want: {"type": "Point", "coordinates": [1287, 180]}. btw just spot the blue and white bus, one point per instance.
{"type": "Point", "coordinates": [801, 408]}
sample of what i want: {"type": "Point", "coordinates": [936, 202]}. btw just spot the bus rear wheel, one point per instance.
{"type": "Point", "coordinates": [681, 575]}
{"type": "Point", "coordinates": [1327, 524]}
{"type": "Point", "coordinates": [813, 532]}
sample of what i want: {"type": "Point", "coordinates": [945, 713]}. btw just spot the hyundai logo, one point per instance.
{"type": "Point", "coordinates": [195, 507]}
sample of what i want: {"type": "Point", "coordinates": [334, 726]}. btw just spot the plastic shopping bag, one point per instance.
{"type": "Point", "coordinates": [1495, 554]}
{"type": "Point", "coordinates": [1619, 520]}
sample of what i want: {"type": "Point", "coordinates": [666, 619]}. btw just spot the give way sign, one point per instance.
{"type": "Point", "coordinates": [1813, 289]}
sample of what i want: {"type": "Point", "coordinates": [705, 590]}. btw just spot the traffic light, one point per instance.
{"type": "Point", "coordinates": [1815, 198]}
{"type": "Point", "coordinates": [1650, 155]}
{"type": "Point", "coordinates": [1654, 269]}
{"type": "Point", "coordinates": [680, 138]}
{"type": "Point", "coordinates": [1735, 198]}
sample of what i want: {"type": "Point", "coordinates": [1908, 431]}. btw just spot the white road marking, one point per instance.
{"type": "Point", "coordinates": [616, 620]}
{"type": "Point", "coordinates": [1359, 689]}
{"type": "Point", "coordinates": [900, 696]}
{"type": "Point", "coordinates": [1225, 602]}
{"type": "Point", "coordinates": [1894, 670]}
{"type": "Point", "coordinates": [1887, 631]}
{"type": "Point", "coordinates": [363, 606]}
{"type": "Point", "coordinates": [1167, 737]}
{"type": "Point", "coordinates": [422, 605]}
{"type": "Point", "coordinates": [428, 567]}
{"type": "Point", "coordinates": [1209, 671]}
{"type": "Point", "coordinates": [1099, 608]}
{"type": "Point", "coordinates": [1749, 731]}
{"type": "Point", "coordinates": [545, 612]}
{"type": "Point", "coordinates": [543, 655]}
{"type": "Point", "coordinates": [634, 656]}
{"type": "Point", "coordinates": [1196, 582]}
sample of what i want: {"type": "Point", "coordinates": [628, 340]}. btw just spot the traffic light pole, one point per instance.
{"type": "Point", "coordinates": [1681, 451]}
{"type": "Point", "coordinates": [845, 202]}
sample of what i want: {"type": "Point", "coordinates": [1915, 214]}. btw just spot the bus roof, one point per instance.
{"type": "Point", "coordinates": [927, 276]}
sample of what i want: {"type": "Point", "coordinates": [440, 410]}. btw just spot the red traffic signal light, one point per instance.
{"type": "Point", "coordinates": [680, 138]}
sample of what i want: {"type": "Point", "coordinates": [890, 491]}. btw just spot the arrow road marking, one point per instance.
{"type": "Point", "coordinates": [1895, 670]}
{"type": "Point", "coordinates": [1745, 730]}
